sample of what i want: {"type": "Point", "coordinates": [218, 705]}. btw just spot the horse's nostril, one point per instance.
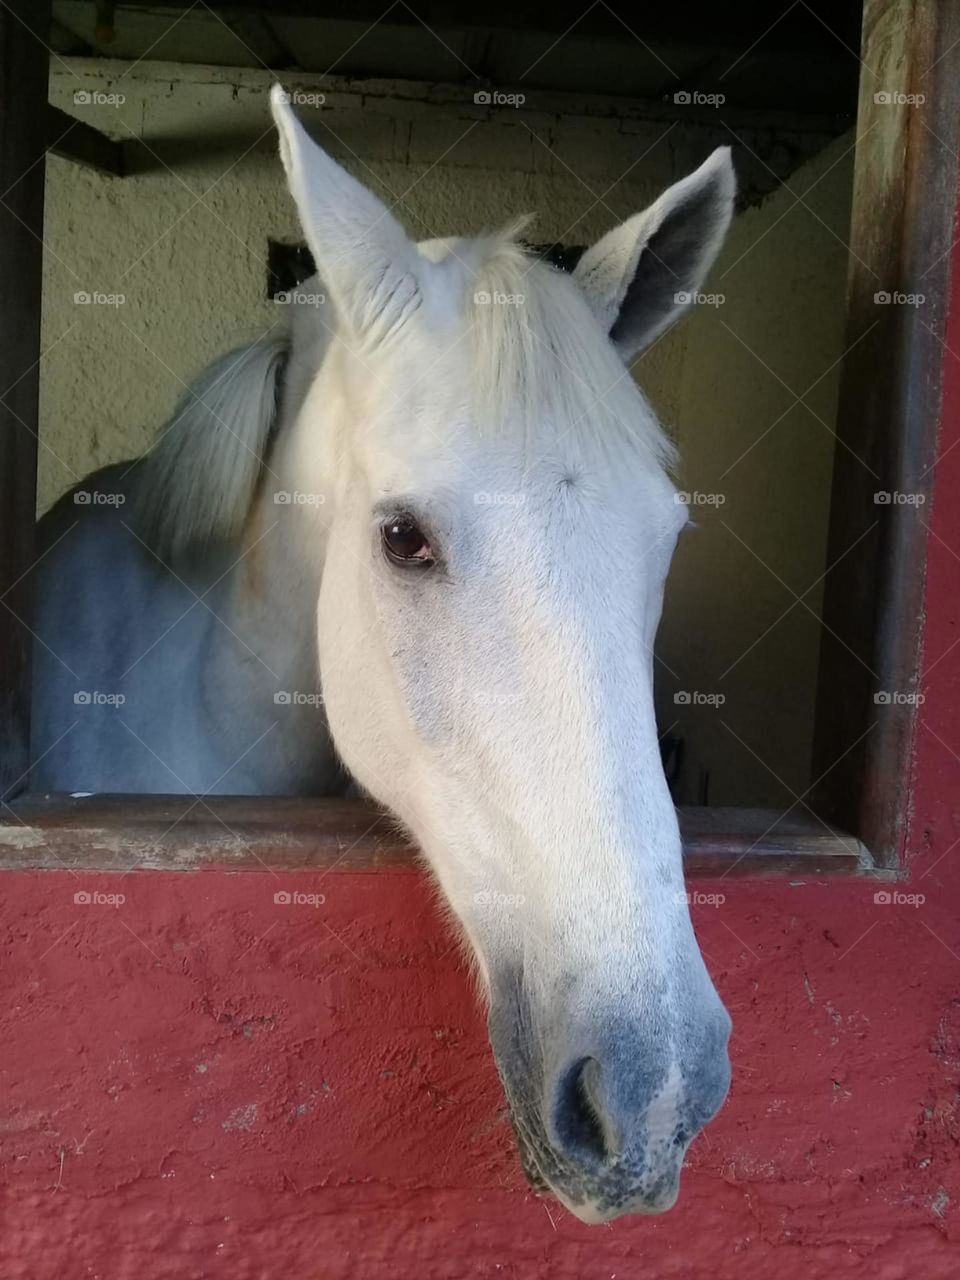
{"type": "Point", "coordinates": [580, 1125]}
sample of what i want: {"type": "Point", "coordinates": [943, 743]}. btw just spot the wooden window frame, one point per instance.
{"type": "Point", "coordinates": [905, 181]}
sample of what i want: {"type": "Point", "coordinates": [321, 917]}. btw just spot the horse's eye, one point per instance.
{"type": "Point", "coordinates": [405, 543]}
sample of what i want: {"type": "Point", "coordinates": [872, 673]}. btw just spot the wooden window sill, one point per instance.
{"type": "Point", "coordinates": [243, 833]}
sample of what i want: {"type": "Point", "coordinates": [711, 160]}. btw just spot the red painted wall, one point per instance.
{"type": "Point", "coordinates": [200, 1083]}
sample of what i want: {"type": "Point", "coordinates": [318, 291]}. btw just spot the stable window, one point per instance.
{"type": "Point", "coordinates": [807, 768]}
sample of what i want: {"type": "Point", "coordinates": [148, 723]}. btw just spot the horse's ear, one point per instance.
{"type": "Point", "coordinates": [639, 277]}
{"type": "Point", "coordinates": [363, 255]}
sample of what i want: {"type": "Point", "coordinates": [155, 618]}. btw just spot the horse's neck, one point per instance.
{"type": "Point", "coordinates": [268, 599]}
{"type": "Point", "coordinates": [258, 670]}
{"type": "Point", "coordinates": [271, 595]}
{"type": "Point", "coordinates": [274, 581]}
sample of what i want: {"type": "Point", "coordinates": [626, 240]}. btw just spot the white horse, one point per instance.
{"type": "Point", "coordinates": [477, 555]}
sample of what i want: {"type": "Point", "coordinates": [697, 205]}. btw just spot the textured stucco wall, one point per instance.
{"type": "Point", "coordinates": [185, 245]}
{"type": "Point", "coordinates": [202, 1085]}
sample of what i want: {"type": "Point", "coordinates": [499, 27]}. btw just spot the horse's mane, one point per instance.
{"type": "Point", "coordinates": [541, 355]}
{"type": "Point", "coordinates": [196, 484]}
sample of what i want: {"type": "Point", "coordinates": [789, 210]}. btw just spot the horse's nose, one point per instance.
{"type": "Point", "coordinates": [619, 1126]}
{"type": "Point", "coordinates": [584, 1126]}
{"type": "Point", "coordinates": [604, 1098]}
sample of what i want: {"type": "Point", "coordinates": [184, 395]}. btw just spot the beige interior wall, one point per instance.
{"type": "Point", "coordinates": [755, 428]}
{"type": "Point", "coordinates": [184, 246]}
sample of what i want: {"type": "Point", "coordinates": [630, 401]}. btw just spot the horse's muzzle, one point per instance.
{"type": "Point", "coordinates": [606, 1128]}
